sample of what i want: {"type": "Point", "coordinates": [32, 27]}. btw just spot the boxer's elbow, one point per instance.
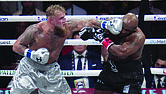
{"type": "Point", "coordinates": [18, 48]}
{"type": "Point", "coordinates": [15, 48]}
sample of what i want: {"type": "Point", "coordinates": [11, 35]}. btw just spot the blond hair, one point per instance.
{"type": "Point", "coordinates": [51, 10]}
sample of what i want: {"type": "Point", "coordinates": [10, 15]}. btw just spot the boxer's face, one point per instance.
{"type": "Point", "coordinates": [58, 23]}
{"type": "Point", "coordinates": [59, 19]}
{"type": "Point", "coordinates": [125, 31]}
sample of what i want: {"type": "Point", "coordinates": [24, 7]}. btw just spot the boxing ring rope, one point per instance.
{"type": "Point", "coordinates": [10, 42]}
{"type": "Point", "coordinates": [71, 73]}
{"type": "Point", "coordinates": [37, 18]}
{"type": "Point", "coordinates": [81, 73]}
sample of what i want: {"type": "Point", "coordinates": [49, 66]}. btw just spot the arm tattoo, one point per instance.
{"type": "Point", "coordinates": [28, 35]}
{"type": "Point", "coordinates": [72, 24]}
{"type": "Point", "coordinates": [75, 25]}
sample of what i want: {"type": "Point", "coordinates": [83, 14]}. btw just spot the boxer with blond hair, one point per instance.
{"type": "Point", "coordinates": [41, 45]}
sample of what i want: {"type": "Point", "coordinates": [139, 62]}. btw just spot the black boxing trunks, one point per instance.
{"type": "Point", "coordinates": [126, 77]}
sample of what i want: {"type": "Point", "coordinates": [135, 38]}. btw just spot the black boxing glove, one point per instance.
{"type": "Point", "coordinates": [99, 34]}
{"type": "Point", "coordinates": [86, 33]}
{"type": "Point", "coordinates": [90, 33]}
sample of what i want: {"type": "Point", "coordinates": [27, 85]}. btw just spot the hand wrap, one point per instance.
{"type": "Point", "coordinates": [107, 42]}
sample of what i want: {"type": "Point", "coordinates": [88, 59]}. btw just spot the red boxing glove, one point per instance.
{"type": "Point", "coordinates": [107, 42]}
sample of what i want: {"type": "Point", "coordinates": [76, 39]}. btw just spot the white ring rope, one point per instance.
{"type": "Point", "coordinates": [36, 18]}
{"type": "Point", "coordinates": [81, 73]}
{"type": "Point", "coordinates": [10, 42]}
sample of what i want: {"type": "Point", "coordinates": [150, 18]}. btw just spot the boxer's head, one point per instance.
{"type": "Point", "coordinates": [56, 18]}
{"type": "Point", "coordinates": [130, 23]}
{"type": "Point", "coordinates": [56, 15]}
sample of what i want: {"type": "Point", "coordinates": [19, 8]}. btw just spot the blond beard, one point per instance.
{"type": "Point", "coordinates": [59, 31]}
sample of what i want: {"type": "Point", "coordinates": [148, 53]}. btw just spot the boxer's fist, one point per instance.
{"type": "Point", "coordinates": [98, 34]}
{"type": "Point", "coordinates": [86, 33]}
{"type": "Point", "coordinates": [89, 32]}
{"type": "Point", "coordinates": [114, 26]}
{"type": "Point", "coordinates": [41, 55]}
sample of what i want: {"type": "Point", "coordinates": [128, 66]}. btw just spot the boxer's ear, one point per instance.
{"type": "Point", "coordinates": [50, 20]}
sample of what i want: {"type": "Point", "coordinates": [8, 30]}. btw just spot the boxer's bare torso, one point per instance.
{"type": "Point", "coordinates": [45, 38]}
{"type": "Point", "coordinates": [41, 35]}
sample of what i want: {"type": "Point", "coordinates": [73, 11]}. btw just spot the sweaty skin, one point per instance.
{"type": "Point", "coordinates": [50, 34]}
{"type": "Point", "coordinates": [128, 46]}
{"type": "Point", "coordinates": [129, 43]}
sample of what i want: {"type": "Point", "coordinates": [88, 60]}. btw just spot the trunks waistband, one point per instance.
{"type": "Point", "coordinates": [125, 66]}
{"type": "Point", "coordinates": [38, 66]}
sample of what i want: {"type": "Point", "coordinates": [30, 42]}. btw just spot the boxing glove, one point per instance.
{"type": "Point", "coordinates": [107, 42]}
{"type": "Point", "coordinates": [40, 56]}
{"type": "Point", "coordinates": [86, 33]}
{"type": "Point", "coordinates": [89, 33]}
{"type": "Point", "coordinates": [114, 26]}
{"type": "Point", "coordinates": [99, 34]}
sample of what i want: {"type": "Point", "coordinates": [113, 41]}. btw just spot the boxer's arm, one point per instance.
{"type": "Point", "coordinates": [24, 40]}
{"type": "Point", "coordinates": [123, 51]}
{"type": "Point", "coordinates": [114, 25]}
{"type": "Point", "coordinates": [127, 48]}
{"type": "Point", "coordinates": [77, 25]}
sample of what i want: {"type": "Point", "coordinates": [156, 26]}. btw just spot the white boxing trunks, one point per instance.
{"type": "Point", "coordinates": [46, 78]}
